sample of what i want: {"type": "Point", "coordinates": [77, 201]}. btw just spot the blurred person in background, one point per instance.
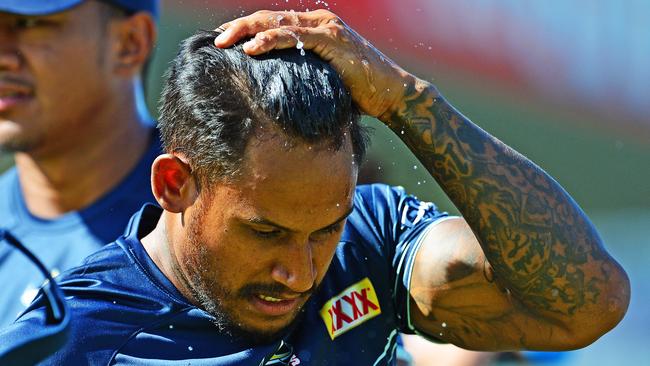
{"type": "Point", "coordinates": [262, 238]}
{"type": "Point", "coordinates": [72, 112]}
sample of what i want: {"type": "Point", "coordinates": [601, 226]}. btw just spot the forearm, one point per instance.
{"type": "Point", "coordinates": [540, 244]}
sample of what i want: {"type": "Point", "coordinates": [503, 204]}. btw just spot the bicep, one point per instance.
{"type": "Point", "coordinates": [454, 297]}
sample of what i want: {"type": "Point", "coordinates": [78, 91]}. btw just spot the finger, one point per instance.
{"type": "Point", "coordinates": [222, 28]}
{"type": "Point", "coordinates": [272, 39]}
{"type": "Point", "coordinates": [265, 20]}
{"type": "Point", "coordinates": [286, 37]}
{"type": "Point", "coordinates": [250, 25]}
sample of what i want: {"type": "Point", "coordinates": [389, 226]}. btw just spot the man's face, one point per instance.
{"type": "Point", "coordinates": [53, 77]}
{"type": "Point", "coordinates": [258, 247]}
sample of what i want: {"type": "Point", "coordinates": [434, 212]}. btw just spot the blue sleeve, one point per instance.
{"type": "Point", "coordinates": [399, 222]}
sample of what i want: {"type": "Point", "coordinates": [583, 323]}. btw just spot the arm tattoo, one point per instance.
{"type": "Point", "coordinates": [538, 241]}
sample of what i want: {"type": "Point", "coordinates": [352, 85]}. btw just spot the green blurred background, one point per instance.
{"type": "Point", "coordinates": [577, 106]}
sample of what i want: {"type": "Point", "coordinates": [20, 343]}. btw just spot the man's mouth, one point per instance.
{"type": "Point", "coordinates": [269, 298]}
{"type": "Point", "coordinates": [10, 96]}
{"type": "Point", "coordinates": [274, 306]}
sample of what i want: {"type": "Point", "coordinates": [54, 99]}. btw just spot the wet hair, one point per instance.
{"type": "Point", "coordinates": [214, 100]}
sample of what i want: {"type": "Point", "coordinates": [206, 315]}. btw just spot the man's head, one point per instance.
{"type": "Point", "coordinates": [262, 161]}
{"type": "Point", "coordinates": [63, 62]}
{"type": "Point", "coordinates": [215, 100]}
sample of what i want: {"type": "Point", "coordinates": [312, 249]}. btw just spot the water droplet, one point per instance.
{"type": "Point", "coordinates": [190, 348]}
{"type": "Point", "coordinates": [379, 167]}
{"type": "Point", "coordinates": [171, 326]}
{"type": "Point", "coordinates": [444, 325]}
{"type": "Point", "coordinates": [401, 132]}
{"type": "Point", "coordinates": [300, 45]}
{"type": "Point", "coordinates": [338, 205]}
{"type": "Point", "coordinates": [114, 302]}
{"type": "Point", "coordinates": [415, 167]}
{"type": "Point", "coordinates": [440, 334]}
{"type": "Point", "coordinates": [419, 183]}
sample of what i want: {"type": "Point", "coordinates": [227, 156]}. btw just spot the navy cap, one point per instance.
{"type": "Point", "coordinates": [43, 7]}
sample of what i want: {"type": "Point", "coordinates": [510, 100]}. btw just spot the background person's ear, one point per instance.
{"type": "Point", "coordinates": [135, 37]}
{"type": "Point", "coordinates": [172, 183]}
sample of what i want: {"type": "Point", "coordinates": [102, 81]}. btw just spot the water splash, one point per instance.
{"type": "Point", "coordinates": [300, 45]}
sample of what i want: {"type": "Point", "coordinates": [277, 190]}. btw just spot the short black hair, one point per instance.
{"type": "Point", "coordinates": [214, 99]}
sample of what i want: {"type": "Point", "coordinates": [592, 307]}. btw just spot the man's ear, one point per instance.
{"type": "Point", "coordinates": [172, 183]}
{"type": "Point", "coordinates": [135, 39]}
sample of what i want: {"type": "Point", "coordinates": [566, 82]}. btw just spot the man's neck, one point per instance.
{"type": "Point", "coordinates": [72, 178]}
{"type": "Point", "coordinates": [157, 244]}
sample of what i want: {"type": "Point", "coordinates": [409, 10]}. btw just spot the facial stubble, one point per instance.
{"type": "Point", "coordinates": [211, 295]}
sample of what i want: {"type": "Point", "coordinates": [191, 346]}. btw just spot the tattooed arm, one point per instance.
{"type": "Point", "coordinates": [524, 267]}
{"type": "Point", "coordinates": [527, 269]}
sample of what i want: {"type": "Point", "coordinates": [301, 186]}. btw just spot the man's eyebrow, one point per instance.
{"type": "Point", "coordinates": [263, 221]}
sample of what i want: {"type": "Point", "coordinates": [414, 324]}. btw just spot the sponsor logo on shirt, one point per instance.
{"type": "Point", "coordinates": [355, 305]}
{"type": "Point", "coordinates": [283, 356]}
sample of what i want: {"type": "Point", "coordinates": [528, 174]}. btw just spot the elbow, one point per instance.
{"type": "Point", "coordinates": [606, 314]}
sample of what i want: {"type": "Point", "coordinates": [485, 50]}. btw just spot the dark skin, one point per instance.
{"type": "Point", "coordinates": [523, 268]}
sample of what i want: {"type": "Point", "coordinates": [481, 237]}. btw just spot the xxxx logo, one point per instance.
{"type": "Point", "coordinates": [355, 305]}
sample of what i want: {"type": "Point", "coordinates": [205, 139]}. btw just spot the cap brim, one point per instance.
{"type": "Point", "coordinates": [37, 7]}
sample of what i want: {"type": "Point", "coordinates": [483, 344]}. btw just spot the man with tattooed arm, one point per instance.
{"type": "Point", "coordinates": [265, 251]}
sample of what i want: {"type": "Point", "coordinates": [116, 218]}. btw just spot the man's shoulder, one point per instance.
{"type": "Point", "coordinates": [110, 299]}
{"type": "Point", "coordinates": [111, 272]}
{"type": "Point", "coordinates": [370, 197]}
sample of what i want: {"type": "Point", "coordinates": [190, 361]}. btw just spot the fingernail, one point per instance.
{"type": "Point", "coordinates": [221, 38]}
{"type": "Point", "coordinates": [250, 44]}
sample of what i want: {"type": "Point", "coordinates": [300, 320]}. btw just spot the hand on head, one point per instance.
{"type": "Point", "coordinates": [376, 83]}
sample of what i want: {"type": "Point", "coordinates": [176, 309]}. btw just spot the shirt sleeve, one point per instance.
{"type": "Point", "coordinates": [401, 220]}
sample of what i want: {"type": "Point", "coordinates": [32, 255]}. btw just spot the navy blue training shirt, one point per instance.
{"type": "Point", "coordinates": [126, 312]}
{"type": "Point", "coordinates": [63, 243]}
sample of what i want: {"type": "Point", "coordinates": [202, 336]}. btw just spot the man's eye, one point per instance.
{"type": "Point", "coordinates": [31, 22]}
{"type": "Point", "coordinates": [326, 232]}
{"type": "Point", "coordinates": [266, 234]}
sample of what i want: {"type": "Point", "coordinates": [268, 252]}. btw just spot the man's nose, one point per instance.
{"type": "Point", "coordinates": [9, 51]}
{"type": "Point", "coordinates": [296, 269]}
